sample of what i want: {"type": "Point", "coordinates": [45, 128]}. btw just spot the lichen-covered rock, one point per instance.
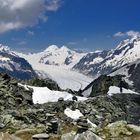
{"type": "Point", "coordinates": [134, 128]}
{"type": "Point", "coordinates": [26, 134]}
{"type": "Point", "coordinates": [6, 136]}
{"type": "Point", "coordinates": [19, 116]}
{"type": "Point", "coordinates": [118, 130]}
{"type": "Point", "coordinates": [68, 136]}
{"type": "Point", "coordinates": [88, 135]}
{"type": "Point", "coordinates": [52, 85]}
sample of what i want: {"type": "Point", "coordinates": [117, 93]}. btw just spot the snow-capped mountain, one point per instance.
{"type": "Point", "coordinates": [60, 56]}
{"type": "Point", "coordinates": [53, 55]}
{"type": "Point", "coordinates": [56, 63]}
{"type": "Point", "coordinates": [59, 63]}
{"type": "Point", "coordinates": [106, 61]}
{"type": "Point", "coordinates": [14, 65]}
{"type": "Point", "coordinates": [89, 63]}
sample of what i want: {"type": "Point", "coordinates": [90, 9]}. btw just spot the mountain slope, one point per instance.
{"type": "Point", "coordinates": [56, 56]}
{"type": "Point", "coordinates": [14, 65]}
{"type": "Point", "coordinates": [126, 52]}
{"type": "Point", "coordinates": [60, 56]}
{"type": "Point", "coordinates": [89, 63]}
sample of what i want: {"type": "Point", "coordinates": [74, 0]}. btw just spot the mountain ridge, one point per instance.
{"type": "Point", "coordinates": [126, 52]}
{"type": "Point", "coordinates": [54, 55]}
{"type": "Point", "coordinates": [65, 60]}
{"type": "Point", "coordinates": [14, 65]}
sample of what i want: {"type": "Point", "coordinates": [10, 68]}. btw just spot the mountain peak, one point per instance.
{"type": "Point", "coordinates": [51, 48]}
{"type": "Point", "coordinates": [64, 48]}
{"type": "Point", "coordinates": [98, 51]}
{"type": "Point", "coordinates": [4, 48]}
{"type": "Point", "coordinates": [128, 42]}
{"type": "Point", "coordinates": [54, 48]}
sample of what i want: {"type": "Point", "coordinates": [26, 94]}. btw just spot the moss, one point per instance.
{"type": "Point", "coordinates": [55, 137]}
{"type": "Point", "coordinates": [26, 134]}
{"type": "Point", "coordinates": [118, 131]}
{"type": "Point", "coordinates": [67, 128]}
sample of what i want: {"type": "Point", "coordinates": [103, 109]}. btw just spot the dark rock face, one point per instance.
{"type": "Point", "coordinates": [101, 85]}
{"type": "Point", "coordinates": [131, 106]}
{"type": "Point", "coordinates": [134, 72]}
{"type": "Point", "coordinates": [131, 73]}
{"type": "Point", "coordinates": [16, 67]}
{"type": "Point", "coordinates": [68, 60]}
{"type": "Point", "coordinates": [52, 85]}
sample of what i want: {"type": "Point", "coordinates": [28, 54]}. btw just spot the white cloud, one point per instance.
{"type": "Point", "coordinates": [15, 14]}
{"type": "Point", "coordinates": [53, 5]}
{"type": "Point", "coordinates": [119, 34]}
{"type": "Point", "coordinates": [133, 33]}
{"type": "Point", "coordinates": [130, 33]}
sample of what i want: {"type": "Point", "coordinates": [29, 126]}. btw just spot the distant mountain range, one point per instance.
{"type": "Point", "coordinates": [92, 63]}
{"type": "Point", "coordinates": [66, 61]}
{"type": "Point", "coordinates": [104, 62]}
{"type": "Point", "coordinates": [53, 55]}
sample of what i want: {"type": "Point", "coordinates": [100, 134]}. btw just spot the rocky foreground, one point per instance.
{"type": "Point", "coordinates": [105, 117]}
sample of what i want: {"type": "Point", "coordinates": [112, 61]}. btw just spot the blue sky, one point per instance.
{"type": "Point", "coordinates": [79, 24]}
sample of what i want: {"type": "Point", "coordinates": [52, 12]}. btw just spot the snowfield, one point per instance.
{"type": "Point", "coordinates": [64, 76]}
{"type": "Point", "coordinates": [43, 95]}
{"type": "Point", "coordinates": [116, 90]}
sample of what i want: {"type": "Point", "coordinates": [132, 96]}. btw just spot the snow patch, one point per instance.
{"type": "Point", "coordinates": [87, 92]}
{"type": "Point", "coordinates": [4, 58]}
{"type": "Point", "coordinates": [43, 95]}
{"type": "Point", "coordinates": [96, 60]}
{"type": "Point", "coordinates": [92, 124]}
{"type": "Point", "coordinates": [75, 115]}
{"type": "Point", "coordinates": [116, 90]}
